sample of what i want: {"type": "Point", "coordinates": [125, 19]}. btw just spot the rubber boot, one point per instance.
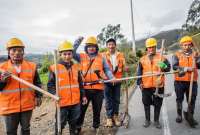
{"type": "Point", "coordinates": [147, 122]}
{"type": "Point", "coordinates": [194, 121]}
{"type": "Point", "coordinates": [179, 118]}
{"type": "Point", "coordinates": [156, 117]}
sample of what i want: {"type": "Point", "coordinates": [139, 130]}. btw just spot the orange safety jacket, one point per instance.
{"type": "Point", "coordinates": [17, 97]}
{"type": "Point", "coordinates": [186, 61]}
{"type": "Point", "coordinates": [150, 67]}
{"type": "Point", "coordinates": [120, 63]}
{"type": "Point", "coordinates": [89, 68]}
{"type": "Point", "coordinates": [69, 91]}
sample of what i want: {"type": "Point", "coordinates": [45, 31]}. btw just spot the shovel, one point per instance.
{"type": "Point", "coordinates": [188, 115]}
{"type": "Point", "coordinates": [125, 116]}
{"type": "Point", "coordinates": [158, 81]}
{"type": "Point", "coordinates": [58, 117]}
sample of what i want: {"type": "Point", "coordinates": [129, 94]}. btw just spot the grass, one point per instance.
{"type": "Point", "coordinates": [44, 78]}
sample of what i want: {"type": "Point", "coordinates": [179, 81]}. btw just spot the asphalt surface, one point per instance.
{"type": "Point", "coordinates": [167, 117]}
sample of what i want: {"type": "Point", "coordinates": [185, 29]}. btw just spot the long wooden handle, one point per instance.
{"type": "Point", "coordinates": [57, 93]}
{"type": "Point", "coordinates": [32, 86]}
{"type": "Point", "coordinates": [191, 81]}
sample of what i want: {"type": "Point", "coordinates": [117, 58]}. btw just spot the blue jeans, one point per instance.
{"type": "Point", "coordinates": [112, 99]}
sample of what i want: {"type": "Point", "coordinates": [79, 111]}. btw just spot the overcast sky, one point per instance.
{"type": "Point", "coordinates": [43, 24]}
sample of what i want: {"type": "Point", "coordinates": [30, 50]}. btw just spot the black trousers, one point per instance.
{"type": "Point", "coordinates": [148, 99]}
{"type": "Point", "coordinates": [182, 89]}
{"type": "Point", "coordinates": [13, 120]}
{"type": "Point", "coordinates": [96, 97]}
{"type": "Point", "coordinates": [69, 114]}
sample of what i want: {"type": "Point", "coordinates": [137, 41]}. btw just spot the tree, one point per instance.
{"type": "Point", "coordinates": [193, 19]}
{"type": "Point", "coordinates": [110, 31]}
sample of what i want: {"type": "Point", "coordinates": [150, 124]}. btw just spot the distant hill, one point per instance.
{"type": "Point", "coordinates": [37, 58]}
{"type": "Point", "coordinates": [170, 37]}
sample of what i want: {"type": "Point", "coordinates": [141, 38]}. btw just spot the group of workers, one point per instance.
{"type": "Point", "coordinates": [80, 80]}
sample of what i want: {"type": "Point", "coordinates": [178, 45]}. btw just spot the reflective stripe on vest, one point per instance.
{"type": "Point", "coordinates": [91, 75]}
{"type": "Point", "coordinates": [150, 67]}
{"type": "Point", "coordinates": [68, 86]}
{"type": "Point", "coordinates": [69, 91]}
{"type": "Point", "coordinates": [16, 90]}
{"type": "Point", "coordinates": [185, 61]}
{"type": "Point", "coordinates": [15, 96]}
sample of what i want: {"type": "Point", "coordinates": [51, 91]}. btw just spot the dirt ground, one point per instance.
{"type": "Point", "coordinates": [43, 119]}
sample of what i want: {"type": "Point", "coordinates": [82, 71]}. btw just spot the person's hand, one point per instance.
{"type": "Point", "coordinates": [5, 76]}
{"type": "Point", "coordinates": [80, 38]}
{"type": "Point", "coordinates": [38, 102]}
{"type": "Point", "coordinates": [84, 101]}
{"type": "Point", "coordinates": [141, 86]}
{"type": "Point", "coordinates": [196, 54]}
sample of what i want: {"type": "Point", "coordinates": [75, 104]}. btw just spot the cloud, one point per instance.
{"type": "Point", "coordinates": [43, 24]}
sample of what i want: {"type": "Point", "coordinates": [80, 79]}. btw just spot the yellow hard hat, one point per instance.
{"type": "Point", "coordinates": [14, 42]}
{"type": "Point", "coordinates": [186, 39]}
{"type": "Point", "coordinates": [65, 46]}
{"type": "Point", "coordinates": [151, 42]}
{"type": "Point", "coordinates": [91, 40]}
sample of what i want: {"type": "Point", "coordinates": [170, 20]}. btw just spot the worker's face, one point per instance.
{"type": "Point", "coordinates": [16, 54]}
{"type": "Point", "coordinates": [151, 50]}
{"type": "Point", "coordinates": [111, 47]}
{"type": "Point", "coordinates": [186, 47]}
{"type": "Point", "coordinates": [91, 49]}
{"type": "Point", "coordinates": [66, 56]}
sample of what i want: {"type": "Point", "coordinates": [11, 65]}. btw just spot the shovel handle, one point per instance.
{"type": "Point", "coordinates": [32, 86]}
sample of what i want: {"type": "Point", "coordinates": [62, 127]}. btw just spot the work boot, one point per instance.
{"type": "Point", "coordinates": [156, 117]}
{"type": "Point", "coordinates": [78, 130]}
{"type": "Point", "coordinates": [179, 118]}
{"type": "Point", "coordinates": [195, 122]}
{"type": "Point", "coordinates": [116, 120]}
{"type": "Point", "coordinates": [146, 124]}
{"type": "Point", "coordinates": [157, 124]}
{"type": "Point", "coordinates": [109, 122]}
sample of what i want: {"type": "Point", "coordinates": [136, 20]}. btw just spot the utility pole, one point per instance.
{"type": "Point", "coordinates": [133, 31]}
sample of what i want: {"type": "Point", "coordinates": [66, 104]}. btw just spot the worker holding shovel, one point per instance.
{"type": "Point", "coordinates": [187, 61]}
{"type": "Point", "coordinates": [149, 64]}
{"type": "Point", "coordinates": [17, 100]}
{"type": "Point", "coordinates": [70, 89]}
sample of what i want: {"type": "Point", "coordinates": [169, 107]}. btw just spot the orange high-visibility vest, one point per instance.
{"type": "Point", "coordinates": [120, 63]}
{"type": "Point", "coordinates": [150, 67]}
{"type": "Point", "coordinates": [69, 91]}
{"type": "Point", "coordinates": [185, 61]}
{"type": "Point", "coordinates": [91, 75]}
{"type": "Point", "coordinates": [17, 97]}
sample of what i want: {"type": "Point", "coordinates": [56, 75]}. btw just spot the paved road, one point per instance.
{"type": "Point", "coordinates": [167, 118]}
